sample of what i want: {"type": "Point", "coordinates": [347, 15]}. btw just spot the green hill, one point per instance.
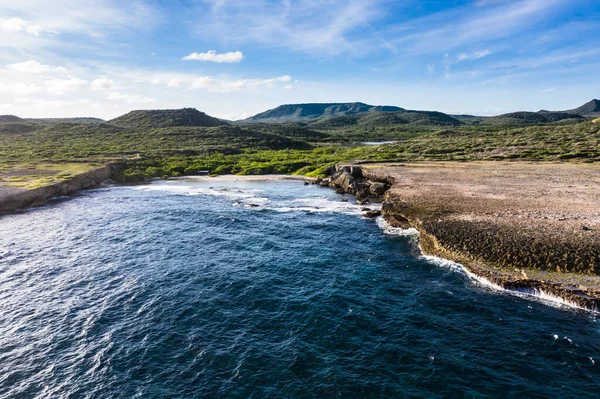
{"type": "Point", "coordinates": [311, 111]}
{"type": "Point", "coordinates": [590, 109]}
{"type": "Point", "coordinates": [66, 120]}
{"type": "Point", "coordinates": [532, 118]}
{"type": "Point", "coordinates": [375, 119]}
{"type": "Point", "coordinates": [158, 118]}
{"type": "Point", "coordinates": [296, 132]}
{"type": "Point", "coordinates": [10, 118]}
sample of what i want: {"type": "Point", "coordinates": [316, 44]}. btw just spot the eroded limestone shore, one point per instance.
{"type": "Point", "coordinates": [528, 227]}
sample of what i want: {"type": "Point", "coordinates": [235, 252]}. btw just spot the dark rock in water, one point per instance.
{"type": "Point", "coordinates": [365, 209]}
{"type": "Point", "coordinates": [372, 214]}
{"type": "Point", "coordinates": [253, 205]}
{"type": "Point", "coordinates": [340, 190]}
{"type": "Point", "coordinates": [378, 189]}
{"type": "Point", "coordinates": [318, 181]}
{"type": "Point", "coordinates": [362, 200]}
{"type": "Point", "coordinates": [325, 182]}
{"type": "Point", "coordinates": [306, 183]}
{"type": "Point", "coordinates": [344, 200]}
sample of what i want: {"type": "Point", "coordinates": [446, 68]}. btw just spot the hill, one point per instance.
{"type": "Point", "coordinates": [66, 120]}
{"type": "Point", "coordinates": [532, 118]}
{"type": "Point", "coordinates": [294, 131]}
{"type": "Point", "coordinates": [10, 118]}
{"type": "Point", "coordinates": [474, 119]}
{"type": "Point", "coordinates": [589, 109]}
{"type": "Point", "coordinates": [311, 111]}
{"type": "Point", "coordinates": [159, 118]}
{"type": "Point", "coordinates": [374, 119]}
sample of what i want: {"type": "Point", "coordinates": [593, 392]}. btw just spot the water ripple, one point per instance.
{"type": "Point", "coordinates": [173, 290]}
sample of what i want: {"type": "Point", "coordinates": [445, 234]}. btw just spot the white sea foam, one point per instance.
{"type": "Point", "coordinates": [314, 205]}
{"type": "Point", "coordinates": [191, 190]}
{"type": "Point", "coordinates": [395, 231]}
{"type": "Point", "coordinates": [534, 293]}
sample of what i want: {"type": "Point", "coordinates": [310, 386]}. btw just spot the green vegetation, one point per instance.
{"type": "Point", "coordinates": [155, 149]}
{"type": "Point", "coordinates": [34, 175]}
{"type": "Point", "coordinates": [375, 119]}
{"type": "Point", "coordinates": [532, 118]}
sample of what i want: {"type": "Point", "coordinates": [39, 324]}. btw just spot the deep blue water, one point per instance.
{"type": "Point", "coordinates": [177, 290]}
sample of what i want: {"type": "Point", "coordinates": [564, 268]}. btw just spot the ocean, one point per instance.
{"type": "Point", "coordinates": [262, 289]}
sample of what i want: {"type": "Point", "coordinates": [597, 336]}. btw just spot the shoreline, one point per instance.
{"type": "Point", "coordinates": [548, 299]}
{"type": "Point", "coordinates": [375, 183]}
{"type": "Point", "coordinates": [405, 206]}
{"type": "Point", "coordinates": [243, 178]}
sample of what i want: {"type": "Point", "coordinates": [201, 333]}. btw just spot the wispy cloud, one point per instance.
{"type": "Point", "coordinates": [473, 56]}
{"type": "Point", "coordinates": [484, 22]}
{"type": "Point", "coordinates": [324, 27]}
{"type": "Point", "coordinates": [213, 56]}
{"type": "Point", "coordinates": [16, 25]}
{"type": "Point", "coordinates": [35, 67]}
{"type": "Point", "coordinates": [225, 86]}
{"type": "Point", "coordinates": [86, 17]}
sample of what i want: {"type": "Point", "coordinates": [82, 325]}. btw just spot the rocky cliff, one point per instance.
{"type": "Point", "coordinates": [39, 196]}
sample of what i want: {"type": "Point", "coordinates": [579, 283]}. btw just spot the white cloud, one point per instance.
{"type": "Point", "coordinates": [20, 88]}
{"type": "Point", "coordinates": [174, 83]}
{"type": "Point", "coordinates": [103, 83]}
{"type": "Point", "coordinates": [473, 56]}
{"type": "Point", "coordinates": [62, 86]}
{"type": "Point", "coordinates": [130, 98]}
{"type": "Point", "coordinates": [225, 86]}
{"type": "Point", "coordinates": [288, 87]}
{"type": "Point", "coordinates": [17, 25]}
{"type": "Point", "coordinates": [213, 56]}
{"type": "Point", "coordinates": [35, 67]}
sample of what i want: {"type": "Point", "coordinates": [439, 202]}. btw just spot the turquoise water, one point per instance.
{"type": "Point", "coordinates": [261, 290]}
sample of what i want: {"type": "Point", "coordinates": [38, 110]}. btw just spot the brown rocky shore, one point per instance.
{"type": "Point", "coordinates": [527, 227]}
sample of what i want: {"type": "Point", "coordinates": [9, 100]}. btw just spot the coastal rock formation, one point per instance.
{"type": "Point", "coordinates": [350, 179]}
{"type": "Point", "coordinates": [39, 196]}
{"type": "Point", "coordinates": [517, 226]}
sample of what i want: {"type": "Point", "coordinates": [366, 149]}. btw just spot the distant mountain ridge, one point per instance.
{"type": "Point", "coordinates": [589, 109]}
{"type": "Point", "coordinates": [532, 118]}
{"type": "Point", "coordinates": [10, 118]}
{"type": "Point", "coordinates": [311, 111]}
{"type": "Point", "coordinates": [373, 119]}
{"type": "Point", "coordinates": [14, 119]}
{"type": "Point", "coordinates": [160, 118]}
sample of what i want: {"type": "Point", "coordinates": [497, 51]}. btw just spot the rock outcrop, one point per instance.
{"type": "Point", "coordinates": [351, 180]}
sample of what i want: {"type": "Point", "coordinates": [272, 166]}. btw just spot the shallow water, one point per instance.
{"type": "Point", "coordinates": [184, 289]}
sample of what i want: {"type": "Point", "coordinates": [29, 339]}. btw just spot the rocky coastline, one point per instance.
{"type": "Point", "coordinates": [26, 198]}
{"type": "Point", "coordinates": [509, 259]}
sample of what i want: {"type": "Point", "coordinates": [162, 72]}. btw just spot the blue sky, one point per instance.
{"type": "Point", "coordinates": [235, 58]}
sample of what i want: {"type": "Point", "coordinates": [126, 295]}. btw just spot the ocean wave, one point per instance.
{"type": "Point", "coordinates": [192, 190]}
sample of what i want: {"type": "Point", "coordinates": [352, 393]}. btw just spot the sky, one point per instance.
{"type": "Point", "coordinates": [235, 58]}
